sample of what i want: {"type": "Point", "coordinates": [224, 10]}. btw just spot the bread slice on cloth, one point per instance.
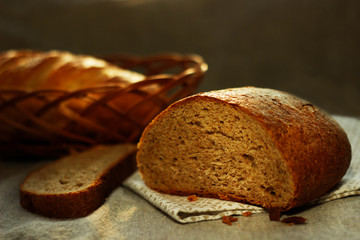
{"type": "Point", "coordinates": [253, 145]}
{"type": "Point", "coordinates": [76, 185]}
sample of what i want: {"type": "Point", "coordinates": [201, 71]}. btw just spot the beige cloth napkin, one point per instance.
{"type": "Point", "coordinates": [184, 211]}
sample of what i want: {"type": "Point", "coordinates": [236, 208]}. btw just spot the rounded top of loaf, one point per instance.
{"type": "Point", "coordinates": [314, 146]}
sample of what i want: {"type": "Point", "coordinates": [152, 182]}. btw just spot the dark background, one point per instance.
{"type": "Point", "coordinates": [308, 48]}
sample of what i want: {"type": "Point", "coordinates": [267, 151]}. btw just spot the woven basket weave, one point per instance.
{"type": "Point", "coordinates": [98, 115]}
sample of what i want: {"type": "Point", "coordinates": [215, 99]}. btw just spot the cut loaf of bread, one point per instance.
{"type": "Point", "coordinates": [76, 185]}
{"type": "Point", "coordinates": [253, 145]}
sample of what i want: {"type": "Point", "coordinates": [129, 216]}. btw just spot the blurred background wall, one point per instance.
{"type": "Point", "coordinates": [308, 48]}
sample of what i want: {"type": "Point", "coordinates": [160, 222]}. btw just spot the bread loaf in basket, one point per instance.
{"type": "Point", "coordinates": [53, 101]}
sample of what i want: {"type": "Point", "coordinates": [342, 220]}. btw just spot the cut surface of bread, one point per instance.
{"type": "Point", "coordinates": [76, 185]}
{"type": "Point", "coordinates": [252, 145]}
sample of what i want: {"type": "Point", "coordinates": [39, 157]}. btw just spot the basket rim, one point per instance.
{"type": "Point", "coordinates": [199, 67]}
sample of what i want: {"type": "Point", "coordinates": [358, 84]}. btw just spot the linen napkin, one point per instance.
{"type": "Point", "coordinates": [185, 211]}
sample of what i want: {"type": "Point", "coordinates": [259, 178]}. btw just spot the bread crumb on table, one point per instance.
{"type": "Point", "coordinates": [192, 198]}
{"type": "Point", "coordinates": [229, 220]}
{"type": "Point", "coordinates": [247, 214]}
{"type": "Point", "coordinates": [274, 214]}
{"type": "Point", "coordinates": [293, 220]}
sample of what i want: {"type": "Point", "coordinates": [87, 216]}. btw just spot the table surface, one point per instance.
{"type": "Point", "coordinates": [134, 218]}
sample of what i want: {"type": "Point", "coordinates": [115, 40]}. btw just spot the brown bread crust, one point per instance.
{"type": "Point", "coordinates": [315, 148]}
{"type": "Point", "coordinates": [79, 203]}
{"type": "Point", "coordinates": [34, 70]}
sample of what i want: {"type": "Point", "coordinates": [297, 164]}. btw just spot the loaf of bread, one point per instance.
{"type": "Point", "coordinates": [253, 145]}
{"type": "Point", "coordinates": [53, 106]}
{"type": "Point", "coordinates": [76, 185]}
{"type": "Point", "coordinates": [35, 70]}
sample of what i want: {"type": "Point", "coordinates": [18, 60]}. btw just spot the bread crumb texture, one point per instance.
{"type": "Point", "coordinates": [72, 174]}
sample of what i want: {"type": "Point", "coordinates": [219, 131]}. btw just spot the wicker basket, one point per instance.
{"type": "Point", "coordinates": [108, 114]}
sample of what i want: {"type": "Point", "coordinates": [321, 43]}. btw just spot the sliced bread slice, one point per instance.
{"type": "Point", "coordinates": [76, 185]}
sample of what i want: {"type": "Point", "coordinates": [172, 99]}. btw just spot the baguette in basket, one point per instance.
{"type": "Point", "coordinates": [59, 100]}
{"type": "Point", "coordinates": [34, 70]}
